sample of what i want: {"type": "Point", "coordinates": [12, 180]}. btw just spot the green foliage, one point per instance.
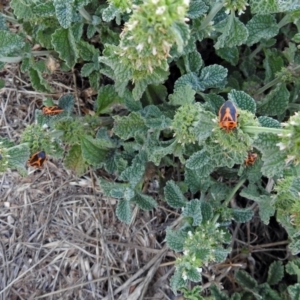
{"type": "Point", "coordinates": [160, 81]}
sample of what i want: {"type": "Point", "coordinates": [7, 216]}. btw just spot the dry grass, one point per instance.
{"type": "Point", "coordinates": [60, 238]}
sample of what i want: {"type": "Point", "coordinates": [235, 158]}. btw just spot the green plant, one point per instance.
{"type": "Point", "coordinates": [170, 92]}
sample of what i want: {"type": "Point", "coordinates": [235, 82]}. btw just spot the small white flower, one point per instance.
{"type": "Point", "coordinates": [227, 11]}
{"type": "Point", "coordinates": [186, 2]}
{"type": "Point", "coordinates": [281, 146]}
{"type": "Point", "coordinates": [190, 234]}
{"type": "Point", "coordinates": [160, 10]}
{"type": "Point", "coordinates": [140, 47]}
{"type": "Point", "coordinates": [184, 276]}
{"type": "Point", "coordinates": [199, 270]}
{"type": "Point", "coordinates": [290, 158]}
{"type": "Point", "coordinates": [155, 1]}
{"type": "Point", "coordinates": [132, 25]}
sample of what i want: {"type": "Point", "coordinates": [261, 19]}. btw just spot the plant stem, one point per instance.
{"type": "Point", "coordinates": [229, 197]}
{"type": "Point", "coordinates": [215, 9]}
{"type": "Point", "coordinates": [256, 130]}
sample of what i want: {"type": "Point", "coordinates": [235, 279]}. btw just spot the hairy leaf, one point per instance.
{"type": "Point", "coordinates": [64, 12]}
{"type": "Point", "coordinates": [175, 239]}
{"type": "Point", "coordinates": [10, 42]}
{"type": "Point", "coordinates": [275, 273]}
{"type": "Point", "coordinates": [123, 211]}
{"type": "Point", "coordinates": [234, 33]}
{"type": "Point", "coordinates": [261, 26]}
{"type": "Point", "coordinates": [74, 160]}
{"type": "Point", "coordinates": [193, 210]}
{"type": "Point", "coordinates": [63, 42]}
{"type": "Point", "coordinates": [174, 195]}
{"type": "Point", "coordinates": [243, 100]}
{"type": "Point", "coordinates": [145, 202]}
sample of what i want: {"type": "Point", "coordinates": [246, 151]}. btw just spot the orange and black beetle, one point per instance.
{"type": "Point", "coordinates": [228, 116]}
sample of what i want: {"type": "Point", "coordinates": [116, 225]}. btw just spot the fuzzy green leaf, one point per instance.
{"type": "Point", "coordinates": [174, 195]}
{"type": "Point", "coordinates": [190, 79]}
{"type": "Point", "coordinates": [235, 296]}
{"type": "Point", "coordinates": [91, 30]}
{"type": "Point", "coordinates": [74, 160]}
{"type": "Point", "coordinates": [183, 95]}
{"type": "Point", "coordinates": [243, 100]}
{"type": "Point", "coordinates": [67, 103]}
{"type": "Point", "coordinates": [194, 183]}
{"type": "Point", "coordinates": [242, 215]}
{"type": "Point", "coordinates": [234, 33]}
{"type": "Point", "coordinates": [113, 189]}
{"type": "Point", "coordinates": [129, 126]}
{"type": "Point", "coordinates": [64, 12]}
{"type": "Point", "coordinates": [294, 291]}
{"type": "Point", "coordinates": [193, 210]}
{"type": "Point", "coordinates": [230, 54]}
{"type": "Point", "coordinates": [2, 22]}
{"type": "Point", "coordinates": [198, 160]}
{"type": "Point", "coordinates": [220, 254]}
{"type": "Point", "coordinates": [123, 211]}
{"type": "Point", "coordinates": [94, 79]}
{"type": "Point", "coordinates": [121, 73]}
{"type": "Point", "coordinates": [206, 211]}
{"type": "Point", "coordinates": [44, 9]}
{"type": "Point", "coordinates": [268, 7]}
{"type": "Point", "coordinates": [213, 102]}
{"type": "Point", "coordinates": [273, 159]}
{"type": "Point", "coordinates": [106, 99]}
{"type": "Point", "coordinates": [244, 279]}
{"type": "Point", "coordinates": [176, 281]}
{"type": "Point", "coordinates": [273, 63]}
{"type": "Point", "coordinates": [261, 27]}
{"type": "Point", "coordinates": [156, 77]}
{"type": "Point", "coordinates": [275, 273]}
{"type": "Point", "coordinates": [175, 239]}
{"type": "Point", "coordinates": [130, 103]}
{"type": "Point", "coordinates": [217, 294]}
{"type": "Point", "coordinates": [87, 69]}
{"type": "Point", "coordinates": [263, 7]}
{"type": "Point", "coordinates": [213, 76]}
{"type": "Point", "coordinates": [193, 274]}
{"type": "Point", "coordinates": [38, 82]}
{"type": "Point", "coordinates": [110, 12]}
{"type": "Point", "coordinates": [114, 163]}
{"type": "Point", "coordinates": [197, 9]}
{"type": "Point", "coordinates": [18, 156]}
{"type": "Point", "coordinates": [145, 202]}
{"type": "Point", "coordinates": [22, 9]}
{"type": "Point", "coordinates": [87, 51]}
{"type": "Point", "coordinates": [63, 42]}
{"type": "Point", "coordinates": [93, 150]}
{"type": "Point", "coordinates": [193, 62]}
{"type": "Point", "coordinates": [158, 153]}
{"type": "Point", "coordinates": [268, 122]}
{"type": "Point", "coordinates": [133, 174]}
{"type": "Point", "coordinates": [266, 209]}
{"type": "Point", "coordinates": [10, 42]}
